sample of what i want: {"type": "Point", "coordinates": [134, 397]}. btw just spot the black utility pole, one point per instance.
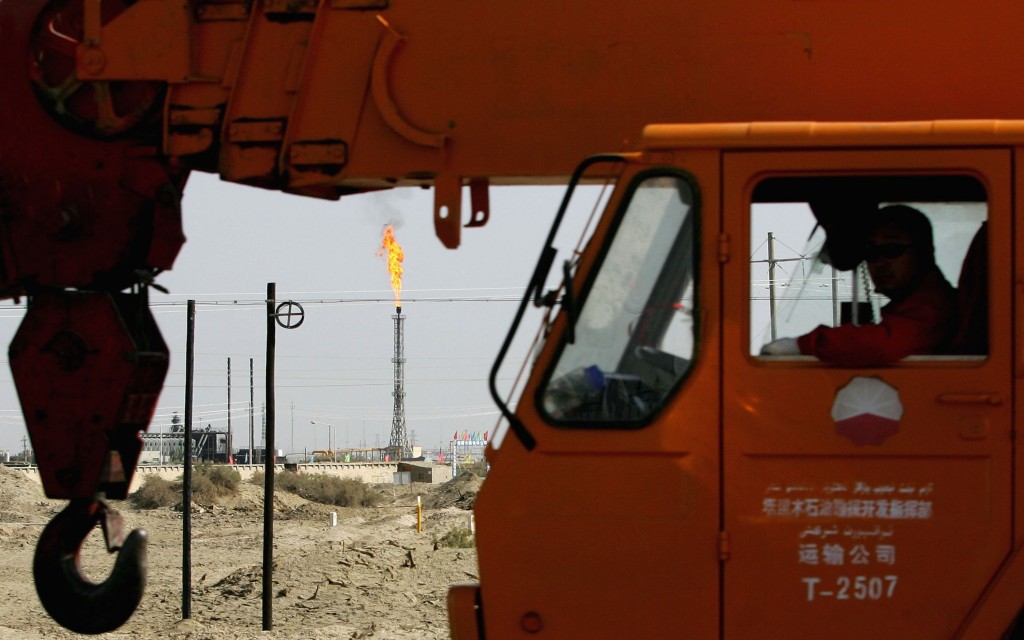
{"type": "Point", "coordinates": [231, 451]}
{"type": "Point", "coordinates": [270, 453]}
{"type": "Point", "coordinates": [186, 490]}
{"type": "Point", "coordinates": [251, 427]}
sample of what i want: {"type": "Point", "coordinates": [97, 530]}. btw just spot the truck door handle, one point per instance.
{"type": "Point", "coordinates": [992, 399]}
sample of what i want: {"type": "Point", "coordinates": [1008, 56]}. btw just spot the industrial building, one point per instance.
{"type": "Point", "coordinates": [169, 448]}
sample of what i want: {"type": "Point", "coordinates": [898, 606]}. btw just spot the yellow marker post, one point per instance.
{"type": "Point", "coordinates": [419, 515]}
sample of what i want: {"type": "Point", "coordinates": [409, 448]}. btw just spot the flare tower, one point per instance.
{"type": "Point", "coordinates": [398, 446]}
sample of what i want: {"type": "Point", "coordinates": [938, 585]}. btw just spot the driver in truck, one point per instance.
{"type": "Point", "coordinates": [920, 317]}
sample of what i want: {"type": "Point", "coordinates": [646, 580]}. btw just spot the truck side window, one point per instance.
{"type": "Point", "coordinates": [821, 248]}
{"type": "Point", "coordinates": [634, 334]}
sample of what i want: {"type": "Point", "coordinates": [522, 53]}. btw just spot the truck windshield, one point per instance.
{"type": "Point", "coordinates": [634, 333]}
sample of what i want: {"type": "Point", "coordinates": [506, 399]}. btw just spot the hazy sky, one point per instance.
{"type": "Point", "coordinates": [336, 368]}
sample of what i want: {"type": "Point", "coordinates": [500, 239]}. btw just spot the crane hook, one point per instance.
{"type": "Point", "coordinates": [73, 601]}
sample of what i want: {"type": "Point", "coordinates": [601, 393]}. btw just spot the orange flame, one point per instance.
{"type": "Point", "coordinates": [390, 249]}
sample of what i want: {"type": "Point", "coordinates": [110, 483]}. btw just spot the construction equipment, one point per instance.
{"type": "Point", "coordinates": [662, 477]}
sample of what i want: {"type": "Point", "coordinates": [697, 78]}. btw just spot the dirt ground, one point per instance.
{"type": "Point", "coordinates": [371, 576]}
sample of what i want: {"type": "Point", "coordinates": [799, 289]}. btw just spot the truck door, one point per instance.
{"type": "Point", "coordinates": [608, 528]}
{"type": "Point", "coordinates": [862, 499]}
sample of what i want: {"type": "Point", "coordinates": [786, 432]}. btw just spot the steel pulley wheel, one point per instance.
{"type": "Point", "coordinates": [96, 108]}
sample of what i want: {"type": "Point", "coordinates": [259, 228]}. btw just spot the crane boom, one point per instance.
{"type": "Point", "coordinates": [323, 98]}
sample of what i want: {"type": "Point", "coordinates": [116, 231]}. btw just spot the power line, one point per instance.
{"type": "Point", "coordinates": [388, 298]}
{"type": "Point", "coordinates": [156, 305]}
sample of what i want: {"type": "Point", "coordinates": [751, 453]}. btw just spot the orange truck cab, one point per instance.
{"type": "Point", "coordinates": [664, 478]}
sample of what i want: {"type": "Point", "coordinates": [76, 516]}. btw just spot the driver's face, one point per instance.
{"type": "Point", "coordinates": [893, 261]}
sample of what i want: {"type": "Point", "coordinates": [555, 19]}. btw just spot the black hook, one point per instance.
{"type": "Point", "coordinates": [74, 602]}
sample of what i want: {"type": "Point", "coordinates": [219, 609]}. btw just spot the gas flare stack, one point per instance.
{"type": "Point", "coordinates": [398, 447]}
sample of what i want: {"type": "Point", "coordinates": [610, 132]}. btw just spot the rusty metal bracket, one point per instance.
{"type": "Point", "coordinates": [448, 210]}
{"type": "Point", "coordinates": [448, 207]}
{"type": "Point", "coordinates": [480, 202]}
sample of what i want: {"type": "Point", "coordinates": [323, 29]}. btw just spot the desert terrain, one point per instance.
{"type": "Point", "coordinates": [370, 576]}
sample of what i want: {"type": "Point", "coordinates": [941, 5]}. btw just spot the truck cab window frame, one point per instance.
{"type": "Point", "coordinates": [633, 340]}
{"type": "Point", "coordinates": [807, 237]}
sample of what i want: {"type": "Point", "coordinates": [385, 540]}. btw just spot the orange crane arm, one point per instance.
{"type": "Point", "coordinates": [326, 98]}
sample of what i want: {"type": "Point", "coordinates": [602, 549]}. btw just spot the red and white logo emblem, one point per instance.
{"type": "Point", "coordinates": [867, 411]}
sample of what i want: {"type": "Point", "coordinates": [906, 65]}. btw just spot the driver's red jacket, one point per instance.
{"type": "Point", "coordinates": [921, 324]}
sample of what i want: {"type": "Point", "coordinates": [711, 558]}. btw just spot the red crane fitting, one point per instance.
{"type": "Point", "coordinates": [88, 367]}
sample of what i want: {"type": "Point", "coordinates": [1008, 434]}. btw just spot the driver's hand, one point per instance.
{"type": "Point", "coordinates": [781, 347]}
